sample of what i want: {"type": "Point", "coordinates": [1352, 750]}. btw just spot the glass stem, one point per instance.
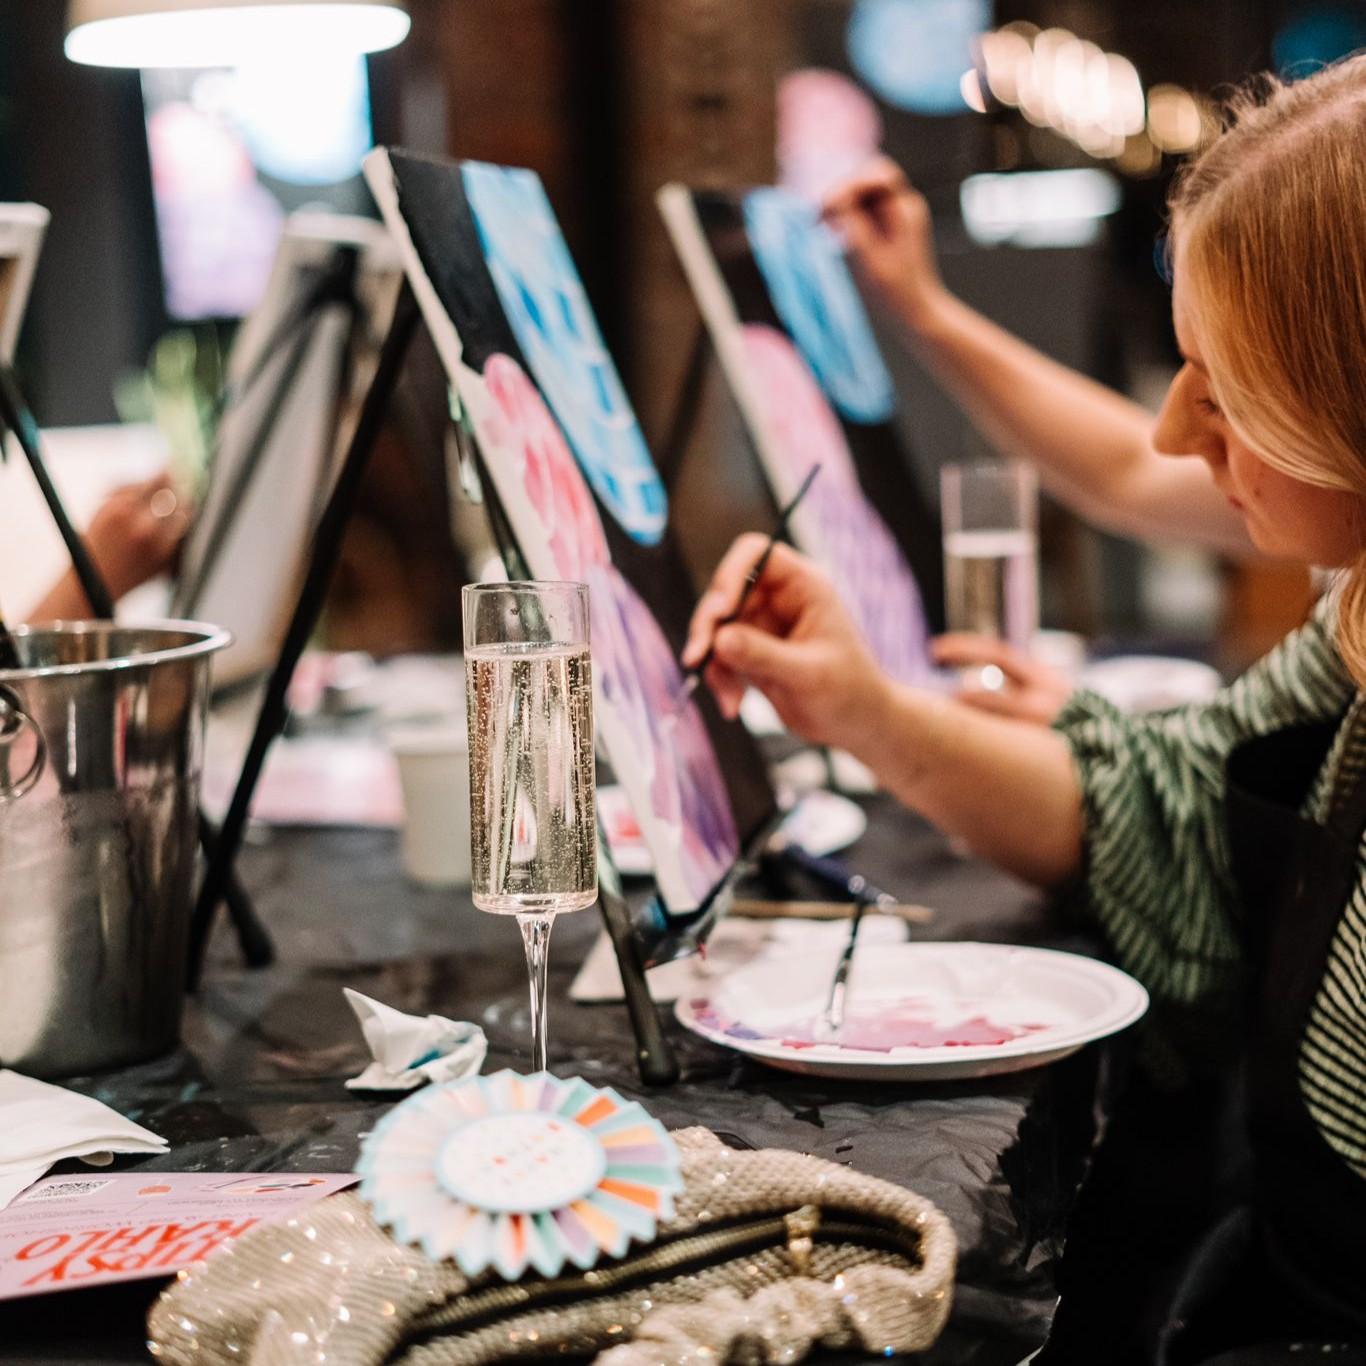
{"type": "Point", "coordinates": [536, 941]}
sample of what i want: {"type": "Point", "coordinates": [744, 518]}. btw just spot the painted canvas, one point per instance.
{"type": "Point", "coordinates": [795, 342]}
{"type": "Point", "coordinates": [272, 462]}
{"type": "Point", "coordinates": [22, 228]}
{"type": "Point", "coordinates": [563, 452]}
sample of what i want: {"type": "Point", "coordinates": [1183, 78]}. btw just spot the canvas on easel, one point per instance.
{"type": "Point", "coordinates": [276, 442]}
{"type": "Point", "coordinates": [798, 351]}
{"type": "Point", "coordinates": [567, 465]}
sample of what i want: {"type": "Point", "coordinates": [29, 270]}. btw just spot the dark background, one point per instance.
{"type": "Point", "coordinates": [608, 99]}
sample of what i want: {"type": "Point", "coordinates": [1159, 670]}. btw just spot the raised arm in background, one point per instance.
{"type": "Point", "coordinates": [1092, 446]}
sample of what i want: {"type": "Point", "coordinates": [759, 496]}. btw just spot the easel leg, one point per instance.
{"type": "Point", "coordinates": [321, 565]}
{"type": "Point", "coordinates": [15, 415]}
{"type": "Point", "coordinates": [655, 1056]}
{"type": "Point", "coordinates": [686, 408]}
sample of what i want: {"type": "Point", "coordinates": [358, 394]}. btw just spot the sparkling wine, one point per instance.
{"type": "Point", "coordinates": [533, 829]}
{"type": "Point", "coordinates": [992, 584]}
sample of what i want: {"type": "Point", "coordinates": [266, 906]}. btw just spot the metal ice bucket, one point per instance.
{"type": "Point", "coordinates": [101, 741]}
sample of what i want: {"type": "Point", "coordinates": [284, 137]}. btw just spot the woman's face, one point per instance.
{"type": "Point", "coordinates": [1285, 516]}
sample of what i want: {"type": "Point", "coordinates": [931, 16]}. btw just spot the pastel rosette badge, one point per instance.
{"type": "Point", "coordinates": [515, 1173]}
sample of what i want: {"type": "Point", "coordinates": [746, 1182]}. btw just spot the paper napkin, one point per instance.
{"type": "Point", "coordinates": [411, 1050]}
{"type": "Point", "coordinates": [41, 1124]}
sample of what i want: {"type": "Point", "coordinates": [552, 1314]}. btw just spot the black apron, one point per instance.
{"type": "Point", "coordinates": [1219, 1226]}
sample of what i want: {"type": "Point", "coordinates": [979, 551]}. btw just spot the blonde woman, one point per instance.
{"type": "Point", "coordinates": [1218, 848]}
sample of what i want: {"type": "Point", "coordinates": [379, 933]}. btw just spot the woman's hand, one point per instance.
{"type": "Point", "coordinates": [135, 535]}
{"type": "Point", "coordinates": [1027, 691]}
{"type": "Point", "coordinates": [794, 642]}
{"type": "Point", "coordinates": [887, 227]}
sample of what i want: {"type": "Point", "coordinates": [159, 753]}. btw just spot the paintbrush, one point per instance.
{"type": "Point", "coordinates": [693, 677]}
{"type": "Point", "coordinates": [747, 908]}
{"type": "Point", "coordinates": [832, 1018]}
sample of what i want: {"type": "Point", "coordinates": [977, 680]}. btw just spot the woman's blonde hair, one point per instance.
{"type": "Point", "coordinates": [1270, 230]}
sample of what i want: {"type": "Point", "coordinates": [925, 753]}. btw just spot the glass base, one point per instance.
{"type": "Point", "coordinates": [522, 903]}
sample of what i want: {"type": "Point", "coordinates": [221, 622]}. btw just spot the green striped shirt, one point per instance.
{"type": "Point", "coordinates": [1159, 881]}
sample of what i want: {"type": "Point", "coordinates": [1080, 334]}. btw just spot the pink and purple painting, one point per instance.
{"type": "Point", "coordinates": [836, 523]}
{"type": "Point", "coordinates": [563, 457]}
{"type": "Point", "coordinates": [797, 347]}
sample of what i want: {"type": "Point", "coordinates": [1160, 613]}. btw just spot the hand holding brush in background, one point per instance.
{"type": "Point", "coordinates": [135, 535]}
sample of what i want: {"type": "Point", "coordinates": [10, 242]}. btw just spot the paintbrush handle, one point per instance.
{"type": "Point", "coordinates": [756, 909]}
{"type": "Point", "coordinates": [833, 1018]}
{"type": "Point", "coordinates": [694, 675]}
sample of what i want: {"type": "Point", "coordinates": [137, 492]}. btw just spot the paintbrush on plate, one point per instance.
{"type": "Point", "coordinates": [832, 1019]}
{"type": "Point", "coordinates": [863, 895]}
{"type": "Point", "coordinates": [693, 678]}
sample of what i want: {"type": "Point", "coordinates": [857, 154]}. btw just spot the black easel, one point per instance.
{"type": "Point", "coordinates": [322, 562]}
{"type": "Point", "coordinates": [16, 416]}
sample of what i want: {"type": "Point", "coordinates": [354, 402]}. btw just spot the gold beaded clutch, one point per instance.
{"type": "Point", "coordinates": [768, 1254]}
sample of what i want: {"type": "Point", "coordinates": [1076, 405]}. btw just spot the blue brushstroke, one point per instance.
{"type": "Point", "coordinates": [814, 295]}
{"type": "Point", "coordinates": [551, 318]}
{"type": "Point", "coordinates": [914, 52]}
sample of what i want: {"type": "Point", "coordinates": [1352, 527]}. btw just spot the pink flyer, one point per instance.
{"type": "Point", "coordinates": [66, 1232]}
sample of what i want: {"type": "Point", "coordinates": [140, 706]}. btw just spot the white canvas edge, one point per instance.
{"type": "Point", "coordinates": [307, 238]}
{"type": "Point", "coordinates": [22, 229]}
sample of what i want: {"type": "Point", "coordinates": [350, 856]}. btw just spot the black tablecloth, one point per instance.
{"type": "Point", "coordinates": [258, 1083]}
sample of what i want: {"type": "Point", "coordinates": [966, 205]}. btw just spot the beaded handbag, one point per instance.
{"type": "Point", "coordinates": [768, 1254]}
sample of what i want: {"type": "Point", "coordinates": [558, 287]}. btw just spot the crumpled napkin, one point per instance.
{"type": "Point", "coordinates": [41, 1124]}
{"type": "Point", "coordinates": [411, 1050]}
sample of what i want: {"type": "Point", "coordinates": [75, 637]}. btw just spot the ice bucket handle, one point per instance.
{"type": "Point", "coordinates": [14, 721]}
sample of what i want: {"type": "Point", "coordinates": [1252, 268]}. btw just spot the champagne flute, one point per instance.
{"type": "Point", "coordinates": [991, 570]}
{"type": "Point", "coordinates": [533, 828]}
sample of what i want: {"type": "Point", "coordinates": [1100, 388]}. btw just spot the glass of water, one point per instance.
{"type": "Point", "coordinates": [991, 549]}
{"type": "Point", "coordinates": [533, 828]}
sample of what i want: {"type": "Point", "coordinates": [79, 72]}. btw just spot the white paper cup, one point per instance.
{"type": "Point", "coordinates": [1148, 683]}
{"type": "Point", "coordinates": [1062, 651]}
{"type": "Point", "coordinates": [434, 771]}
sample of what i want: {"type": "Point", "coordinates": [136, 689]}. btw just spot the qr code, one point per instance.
{"type": "Point", "coordinates": [61, 1190]}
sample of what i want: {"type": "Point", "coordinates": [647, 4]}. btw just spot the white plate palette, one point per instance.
{"type": "Point", "coordinates": [920, 1012]}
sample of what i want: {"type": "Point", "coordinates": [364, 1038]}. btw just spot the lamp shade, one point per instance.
{"type": "Point", "coordinates": [181, 33]}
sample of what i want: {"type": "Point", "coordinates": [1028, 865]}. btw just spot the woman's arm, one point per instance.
{"type": "Point", "coordinates": [1092, 446]}
{"type": "Point", "coordinates": [1009, 789]}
